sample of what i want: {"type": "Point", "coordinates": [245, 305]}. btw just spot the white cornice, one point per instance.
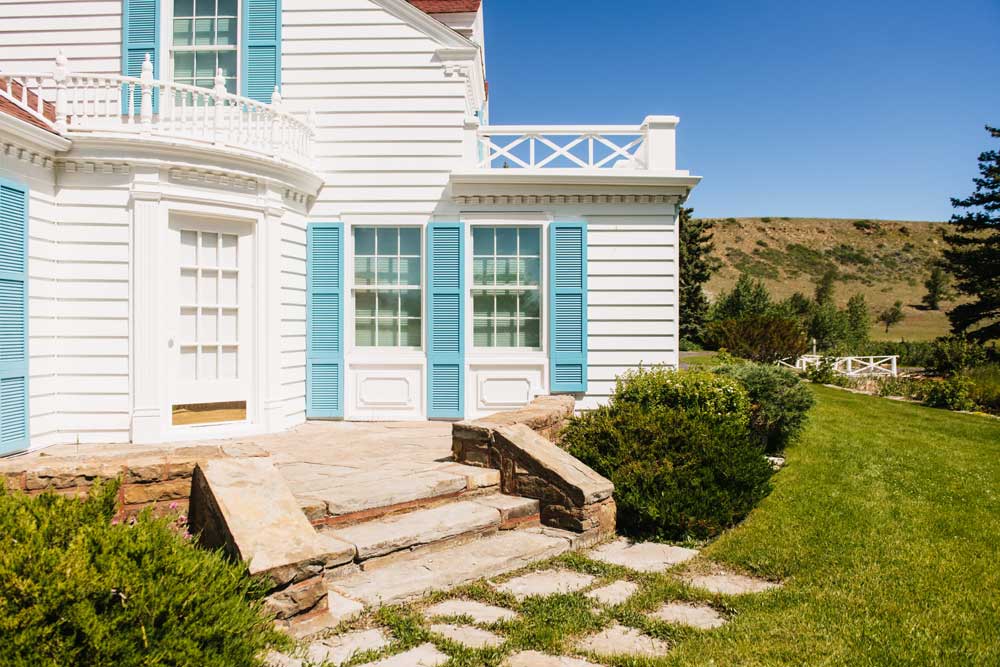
{"type": "Point", "coordinates": [571, 177]}
{"type": "Point", "coordinates": [425, 23]}
{"type": "Point", "coordinates": [566, 199]}
{"type": "Point", "coordinates": [14, 131]}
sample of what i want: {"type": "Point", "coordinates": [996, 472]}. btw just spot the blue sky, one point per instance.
{"type": "Point", "coordinates": [847, 109]}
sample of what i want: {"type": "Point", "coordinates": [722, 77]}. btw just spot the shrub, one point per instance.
{"type": "Point", "coordinates": [951, 354]}
{"type": "Point", "coordinates": [763, 338]}
{"type": "Point", "coordinates": [985, 389]}
{"type": "Point", "coordinates": [679, 469]}
{"type": "Point", "coordinates": [955, 393]}
{"type": "Point", "coordinates": [79, 588]}
{"type": "Point", "coordinates": [779, 402]}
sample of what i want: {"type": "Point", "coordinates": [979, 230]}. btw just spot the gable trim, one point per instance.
{"type": "Point", "coordinates": [425, 23]}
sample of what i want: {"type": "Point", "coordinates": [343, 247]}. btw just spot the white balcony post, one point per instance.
{"type": "Point", "coordinates": [146, 106]}
{"type": "Point", "coordinates": [219, 101]}
{"type": "Point", "coordinates": [660, 147]}
{"type": "Point", "coordinates": [277, 104]}
{"type": "Point", "coordinates": [59, 75]}
{"type": "Point", "coordinates": [470, 142]}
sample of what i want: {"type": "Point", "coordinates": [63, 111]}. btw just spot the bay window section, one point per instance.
{"type": "Point", "coordinates": [387, 287]}
{"type": "Point", "coordinates": [506, 287]}
{"type": "Point", "coordinates": [205, 40]}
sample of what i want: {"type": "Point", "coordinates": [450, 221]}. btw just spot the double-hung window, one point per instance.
{"type": "Point", "coordinates": [205, 40]}
{"type": "Point", "coordinates": [387, 287]}
{"type": "Point", "coordinates": [506, 287]}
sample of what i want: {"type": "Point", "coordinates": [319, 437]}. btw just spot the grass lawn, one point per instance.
{"type": "Point", "coordinates": [884, 528]}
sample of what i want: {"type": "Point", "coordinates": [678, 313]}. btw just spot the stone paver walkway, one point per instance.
{"type": "Point", "coordinates": [536, 659]}
{"type": "Point", "coordinates": [425, 655]}
{"type": "Point", "coordinates": [730, 584]}
{"type": "Point", "coordinates": [340, 649]}
{"type": "Point", "coordinates": [614, 593]}
{"type": "Point", "coordinates": [477, 611]}
{"type": "Point", "coordinates": [643, 556]}
{"type": "Point", "coordinates": [467, 635]}
{"type": "Point", "coordinates": [547, 582]}
{"type": "Point", "coordinates": [702, 617]}
{"type": "Point", "coordinates": [622, 640]}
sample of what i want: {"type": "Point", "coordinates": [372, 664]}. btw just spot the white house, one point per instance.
{"type": "Point", "coordinates": [186, 253]}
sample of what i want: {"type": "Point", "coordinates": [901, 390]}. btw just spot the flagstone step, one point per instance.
{"type": "Point", "coordinates": [416, 574]}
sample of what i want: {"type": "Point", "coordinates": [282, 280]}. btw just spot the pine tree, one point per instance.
{"type": "Point", "coordinates": [825, 288]}
{"type": "Point", "coordinates": [892, 316]}
{"type": "Point", "coordinates": [973, 255]}
{"type": "Point", "coordinates": [696, 266]}
{"type": "Point", "coordinates": [937, 288]}
{"type": "Point", "coordinates": [859, 321]}
{"type": "Point", "coordinates": [748, 297]}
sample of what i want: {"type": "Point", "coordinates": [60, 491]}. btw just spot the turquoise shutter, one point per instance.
{"type": "Point", "coordinates": [13, 318]}
{"type": "Point", "coordinates": [325, 320]}
{"type": "Point", "coordinates": [568, 307]}
{"type": "Point", "coordinates": [140, 35]}
{"type": "Point", "coordinates": [446, 320]}
{"type": "Point", "coordinates": [261, 48]}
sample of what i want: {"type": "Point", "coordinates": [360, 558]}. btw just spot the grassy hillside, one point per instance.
{"type": "Point", "coordinates": [886, 260]}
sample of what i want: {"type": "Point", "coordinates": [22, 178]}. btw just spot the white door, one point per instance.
{"type": "Point", "coordinates": [210, 345]}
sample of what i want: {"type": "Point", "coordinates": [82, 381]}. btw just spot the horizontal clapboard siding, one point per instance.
{"type": "Point", "coordinates": [33, 32]}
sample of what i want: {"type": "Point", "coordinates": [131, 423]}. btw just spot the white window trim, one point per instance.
{"type": "Point", "coordinates": [167, 43]}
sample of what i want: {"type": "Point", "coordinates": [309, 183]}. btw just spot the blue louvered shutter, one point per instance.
{"type": "Point", "coordinates": [445, 322]}
{"type": "Point", "coordinates": [13, 318]}
{"type": "Point", "coordinates": [261, 48]}
{"type": "Point", "coordinates": [568, 307]}
{"type": "Point", "coordinates": [140, 36]}
{"type": "Point", "coordinates": [325, 321]}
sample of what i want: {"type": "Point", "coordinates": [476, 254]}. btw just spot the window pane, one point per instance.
{"type": "Point", "coordinates": [364, 241]}
{"type": "Point", "coordinates": [482, 305]}
{"type": "Point", "coordinates": [204, 31]}
{"type": "Point", "coordinates": [506, 305]}
{"type": "Point", "coordinates": [205, 66]}
{"type": "Point", "coordinates": [388, 240]}
{"type": "Point", "coordinates": [410, 333]}
{"type": "Point", "coordinates": [530, 240]}
{"type": "Point", "coordinates": [227, 7]}
{"type": "Point", "coordinates": [409, 271]}
{"type": "Point", "coordinates": [203, 83]}
{"type": "Point", "coordinates": [205, 7]}
{"type": "Point", "coordinates": [530, 306]}
{"type": "Point", "coordinates": [388, 336]}
{"type": "Point", "coordinates": [530, 271]}
{"type": "Point", "coordinates": [409, 241]}
{"type": "Point", "coordinates": [529, 336]}
{"type": "Point", "coordinates": [364, 270]}
{"type": "Point", "coordinates": [388, 303]}
{"type": "Point", "coordinates": [183, 66]}
{"type": "Point", "coordinates": [409, 303]}
{"type": "Point", "coordinates": [231, 86]}
{"type": "Point", "coordinates": [364, 333]}
{"type": "Point", "coordinates": [183, 7]}
{"type": "Point", "coordinates": [227, 32]}
{"type": "Point", "coordinates": [364, 305]}
{"type": "Point", "coordinates": [183, 35]}
{"type": "Point", "coordinates": [506, 271]}
{"type": "Point", "coordinates": [506, 335]}
{"type": "Point", "coordinates": [506, 240]}
{"type": "Point", "coordinates": [482, 333]}
{"type": "Point", "coordinates": [482, 271]}
{"type": "Point", "coordinates": [482, 240]}
{"type": "Point", "coordinates": [388, 271]}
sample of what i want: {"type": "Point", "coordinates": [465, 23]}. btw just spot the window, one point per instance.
{"type": "Point", "coordinates": [204, 40]}
{"type": "Point", "coordinates": [387, 307]}
{"type": "Point", "coordinates": [506, 279]}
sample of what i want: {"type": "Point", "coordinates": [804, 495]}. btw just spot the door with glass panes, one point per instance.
{"type": "Point", "coordinates": [211, 323]}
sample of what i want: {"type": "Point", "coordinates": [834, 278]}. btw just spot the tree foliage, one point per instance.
{"type": "Point", "coordinates": [765, 338]}
{"type": "Point", "coordinates": [973, 255]}
{"type": "Point", "coordinates": [937, 285]}
{"type": "Point", "coordinates": [748, 297]}
{"type": "Point", "coordinates": [892, 315]}
{"type": "Point", "coordinates": [697, 264]}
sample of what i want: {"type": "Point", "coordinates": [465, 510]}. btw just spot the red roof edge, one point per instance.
{"type": "Point", "coordinates": [12, 105]}
{"type": "Point", "coordinates": [447, 6]}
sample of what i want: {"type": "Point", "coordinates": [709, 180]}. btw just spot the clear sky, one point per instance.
{"type": "Point", "coordinates": [851, 109]}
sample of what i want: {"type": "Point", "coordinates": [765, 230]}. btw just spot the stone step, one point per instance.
{"type": "Point", "coordinates": [416, 574]}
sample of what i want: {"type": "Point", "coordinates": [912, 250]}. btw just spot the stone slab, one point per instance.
{"type": "Point", "coordinates": [546, 582]}
{"type": "Point", "coordinates": [537, 659]}
{"type": "Point", "coordinates": [622, 640]}
{"type": "Point", "coordinates": [338, 650]}
{"type": "Point", "coordinates": [393, 533]}
{"type": "Point", "coordinates": [246, 507]}
{"type": "Point", "coordinates": [342, 608]}
{"type": "Point", "coordinates": [693, 615]}
{"type": "Point", "coordinates": [424, 655]}
{"type": "Point", "coordinates": [477, 611]}
{"type": "Point", "coordinates": [730, 584]}
{"type": "Point", "coordinates": [467, 635]}
{"type": "Point", "coordinates": [511, 508]}
{"type": "Point", "coordinates": [375, 490]}
{"type": "Point", "coordinates": [475, 477]}
{"type": "Point", "coordinates": [642, 556]}
{"type": "Point", "coordinates": [614, 593]}
{"type": "Point", "coordinates": [444, 569]}
{"type": "Point", "coordinates": [276, 659]}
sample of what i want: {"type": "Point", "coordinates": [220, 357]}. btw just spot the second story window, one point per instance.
{"type": "Point", "coordinates": [506, 280]}
{"type": "Point", "coordinates": [204, 40]}
{"type": "Point", "coordinates": [387, 294]}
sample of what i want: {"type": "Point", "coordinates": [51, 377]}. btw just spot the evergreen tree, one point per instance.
{"type": "Point", "coordinates": [825, 288]}
{"type": "Point", "coordinates": [892, 316]}
{"type": "Point", "coordinates": [748, 297]}
{"type": "Point", "coordinates": [696, 266]}
{"type": "Point", "coordinates": [827, 325]}
{"type": "Point", "coordinates": [937, 288]}
{"type": "Point", "coordinates": [973, 255]}
{"type": "Point", "coordinates": [859, 321]}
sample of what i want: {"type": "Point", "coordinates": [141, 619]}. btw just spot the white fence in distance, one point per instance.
{"type": "Point", "coordinates": [887, 365]}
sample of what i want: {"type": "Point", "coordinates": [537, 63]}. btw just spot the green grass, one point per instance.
{"type": "Point", "coordinates": [884, 528]}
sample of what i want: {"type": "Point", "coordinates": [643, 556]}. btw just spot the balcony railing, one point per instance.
{"type": "Point", "coordinates": [649, 146]}
{"type": "Point", "coordinates": [91, 104]}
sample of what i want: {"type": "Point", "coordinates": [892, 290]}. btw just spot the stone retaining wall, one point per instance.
{"type": "Point", "coordinates": [520, 445]}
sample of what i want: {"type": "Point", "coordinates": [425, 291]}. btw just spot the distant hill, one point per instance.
{"type": "Point", "coordinates": [885, 260]}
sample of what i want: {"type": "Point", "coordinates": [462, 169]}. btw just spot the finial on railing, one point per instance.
{"type": "Point", "coordinates": [276, 99]}
{"type": "Point", "coordinates": [146, 99]}
{"type": "Point", "coordinates": [59, 75]}
{"type": "Point", "coordinates": [147, 69]}
{"type": "Point", "coordinates": [220, 83]}
{"type": "Point", "coordinates": [62, 65]}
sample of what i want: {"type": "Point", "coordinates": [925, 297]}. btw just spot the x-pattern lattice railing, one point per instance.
{"type": "Point", "coordinates": [540, 147]}
{"type": "Point", "coordinates": [849, 366]}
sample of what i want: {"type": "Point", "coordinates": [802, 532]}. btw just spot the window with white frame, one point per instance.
{"type": "Point", "coordinates": [205, 39]}
{"type": "Point", "coordinates": [506, 287]}
{"type": "Point", "coordinates": [387, 287]}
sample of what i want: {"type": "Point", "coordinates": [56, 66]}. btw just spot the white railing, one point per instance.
{"type": "Point", "coordinates": [649, 146]}
{"type": "Point", "coordinates": [102, 103]}
{"type": "Point", "coordinates": [850, 366]}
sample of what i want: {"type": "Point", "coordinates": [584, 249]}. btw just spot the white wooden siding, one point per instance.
{"type": "Point", "coordinates": [32, 32]}
{"type": "Point", "coordinates": [293, 318]}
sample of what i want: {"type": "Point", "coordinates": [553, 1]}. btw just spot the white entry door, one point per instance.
{"type": "Point", "coordinates": [210, 345]}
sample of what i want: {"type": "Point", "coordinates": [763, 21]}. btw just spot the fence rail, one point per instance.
{"type": "Point", "coordinates": [887, 365]}
{"type": "Point", "coordinates": [551, 146]}
{"type": "Point", "coordinates": [76, 103]}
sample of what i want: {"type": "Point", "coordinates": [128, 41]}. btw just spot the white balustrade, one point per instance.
{"type": "Point", "coordinates": [887, 365]}
{"type": "Point", "coordinates": [111, 104]}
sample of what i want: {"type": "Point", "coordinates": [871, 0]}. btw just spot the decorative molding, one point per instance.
{"type": "Point", "coordinates": [27, 155]}
{"type": "Point", "coordinates": [525, 200]}
{"type": "Point", "coordinates": [425, 23]}
{"type": "Point", "coordinates": [296, 196]}
{"type": "Point", "coordinates": [90, 167]}
{"type": "Point", "coordinates": [213, 179]}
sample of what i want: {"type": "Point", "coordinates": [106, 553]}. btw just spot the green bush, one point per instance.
{"type": "Point", "coordinates": [779, 402]}
{"type": "Point", "coordinates": [763, 338]}
{"type": "Point", "coordinates": [910, 353]}
{"type": "Point", "coordinates": [78, 587]}
{"type": "Point", "coordinates": [985, 389]}
{"type": "Point", "coordinates": [955, 393]}
{"type": "Point", "coordinates": [678, 449]}
{"type": "Point", "coordinates": [823, 372]}
{"type": "Point", "coordinates": [952, 354]}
